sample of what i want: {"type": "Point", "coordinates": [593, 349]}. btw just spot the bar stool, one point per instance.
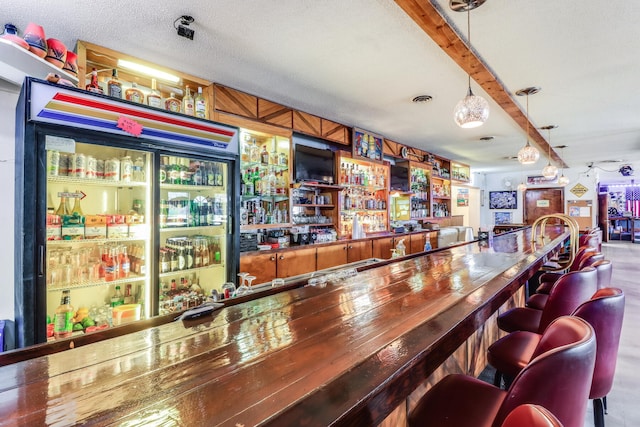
{"type": "Point", "coordinates": [558, 379]}
{"type": "Point", "coordinates": [604, 312]}
{"type": "Point", "coordinates": [603, 271]}
{"type": "Point", "coordinates": [571, 290]}
{"type": "Point", "coordinates": [528, 415]}
{"type": "Point", "coordinates": [586, 259]}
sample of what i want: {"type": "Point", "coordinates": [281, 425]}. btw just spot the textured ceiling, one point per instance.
{"type": "Point", "coordinates": [360, 62]}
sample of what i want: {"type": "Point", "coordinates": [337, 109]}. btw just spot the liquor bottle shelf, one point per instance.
{"type": "Point", "coordinates": [275, 167]}
{"type": "Point", "coordinates": [273, 199]}
{"type": "Point", "coordinates": [441, 197]}
{"type": "Point", "coordinates": [325, 224]}
{"type": "Point", "coordinates": [92, 283]}
{"type": "Point", "coordinates": [196, 228]}
{"type": "Point", "coordinates": [190, 270]}
{"type": "Point", "coordinates": [265, 226]}
{"type": "Point", "coordinates": [94, 181]}
{"type": "Point", "coordinates": [363, 211]}
{"type": "Point", "coordinates": [208, 188]}
{"type": "Point", "coordinates": [94, 241]}
{"type": "Point", "coordinates": [309, 205]}
{"type": "Point", "coordinates": [366, 187]}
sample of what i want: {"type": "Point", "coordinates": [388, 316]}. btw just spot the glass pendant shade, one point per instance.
{"type": "Point", "coordinates": [528, 154]}
{"type": "Point", "coordinates": [563, 180]}
{"type": "Point", "coordinates": [471, 112]}
{"type": "Point", "coordinates": [550, 171]}
{"type": "Point", "coordinates": [522, 186]}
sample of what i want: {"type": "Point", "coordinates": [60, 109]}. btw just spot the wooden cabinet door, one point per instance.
{"type": "Point", "coordinates": [263, 266]}
{"type": "Point", "coordinates": [416, 243]}
{"type": "Point", "coordinates": [275, 114]}
{"type": "Point", "coordinates": [330, 256]}
{"type": "Point", "coordinates": [293, 263]}
{"type": "Point", "coordinates": [357, 251]}
{"type": "Point", "coordinates": [381, 248]}
{"type": "Point", "coordinates": [235, 102]}
{"type": "Point", "coordinates": [334, 131]}
{"type": "Point", "coordinates": [306, 123]}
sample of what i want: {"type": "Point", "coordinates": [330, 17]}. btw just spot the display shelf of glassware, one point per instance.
{"type": "Point", "coordinates": [315, 204]}
{"type": "Point", "coordinates": [460, 172]}
{"type": "Point", "coordinates": [265, 178]}
{"type": "Point", "coordinates": [440, 197]}
{"type": "Point", "coordinates": [365, 195]}
{"type": "Point", "coordinates": [419, 185]}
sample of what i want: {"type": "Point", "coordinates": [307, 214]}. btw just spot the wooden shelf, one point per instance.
{"type": "Point", "coordinates": [305, 205]}
{"type": "Point", "coordinates": [16, 63]}
{"type": "Point", "coordinates": [266, 226]}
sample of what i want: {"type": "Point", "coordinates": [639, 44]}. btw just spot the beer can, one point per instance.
{"type": "Point", "coordinates": [112, 169]}
{"type": "Point", "coordinates": [79, 165]}
{"type": "Point", "coordinates": [63, 164]}
{"type": "Point", "coordinates": [53, 162]}
{"type": "Point", "coordinates": [92, 167]}
{"type": "Point", "coordinates": [126, 169]}
{"type": "Point", "coordinates": [100, 169]}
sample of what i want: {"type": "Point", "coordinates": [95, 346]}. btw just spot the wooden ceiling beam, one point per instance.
{"type": "Point", "coordinates": [428, 16]}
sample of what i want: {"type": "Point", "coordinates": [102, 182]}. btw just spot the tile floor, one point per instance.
{"type": "Point", "coordinates": [624, 400]}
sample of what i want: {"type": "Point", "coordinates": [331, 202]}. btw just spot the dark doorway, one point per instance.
{"type": "Point", "coordinates": [542, 201]}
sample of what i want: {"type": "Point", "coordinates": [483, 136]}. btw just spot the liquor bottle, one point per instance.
{"type": "Point", "coordinates": [165, 261]}
{"type": "Point", "coordinates": [63, 320]}
{"type": "Point", "coordinates": [211, 177]}
{"type": "Point", "coordinates": [110, 267]}
{"type": "Point", "coordinates": [94, 86]}
{"type": "Point", "coordinates": [138, 170]}
{"type": "Point", "coordinates": [189, 254]}
{"type": "Point", "coordinates": [248, 183]}
{"type": "Point", "coordinates": [134, 94]}
{"type": "Point", "coordinates": [182, 258]}
{"type": "Point", "coordinates": [188, 106]}
{"type": "Point", "coordinates": [217, 176]}
{"type": "Point", "coordinates": [125, 263]}
{"type": "Point", "coordinates": [77, 210]}
{"type": "Point", "coordinates": [203, 213]}
{"type": "Point", "coordinates": [197, 254]}
{"type": "Point", "coordinates": [204, 252]}
{"type": "Point", "coordinates": [210, 214]}
{"type": "Point", "coordinates": [217, 257]}
{"type": "Point", "coordinates": [128, 296]}
{"type": "Point", "coordinates": [117, 298]}
{"type": "Point", "coordinates": [172, 103]}
{"type": "Point", "coordinates": [154, 99]}
{"type": "Point", "coordinates": [174, 260]}
{"type": "Point", "coordinates": [114, 87]}
{"type": "Point", "coordinates": [264, 155]}
{"type": "Point", "coordinates": [63, 208]}
{"type": "Point", "coordinates": [200, 105]}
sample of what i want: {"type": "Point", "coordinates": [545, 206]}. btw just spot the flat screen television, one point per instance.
{"type": "Point", "coordinates": [399, 178]}
{"type": "Point", "coordinates": [313, 164]}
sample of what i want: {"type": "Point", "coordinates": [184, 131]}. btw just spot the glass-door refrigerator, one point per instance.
{"type": "Point", "coordinates": [123, 211]}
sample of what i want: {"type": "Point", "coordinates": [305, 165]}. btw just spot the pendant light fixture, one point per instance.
{"type": "Point", "coordinates": [563, 180]}
{"type": "Point", "coordinates": [528, 154]}
{"type": "Point", "coordinates": [550, 171]}
{"type": "Point", "coordinates": [472, 111]}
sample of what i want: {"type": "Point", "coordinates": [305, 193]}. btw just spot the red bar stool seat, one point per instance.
{"type": "Point", "coordinates": [604, 312]}
{"type": "Point", "coordinates": [567, 294]}
{"type": "Point", "coordinates": [558, 379]}
{"type": "Point", "coordinates": [528, 415]}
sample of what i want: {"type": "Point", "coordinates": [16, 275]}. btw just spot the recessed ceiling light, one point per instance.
{"type": "Point", "coordinates": [422, 99]}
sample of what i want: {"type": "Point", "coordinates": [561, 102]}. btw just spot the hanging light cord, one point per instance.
{"type": "Point", "coordinates": [527, 118]}
{"type": "Point", "coordinates": [469, 39]}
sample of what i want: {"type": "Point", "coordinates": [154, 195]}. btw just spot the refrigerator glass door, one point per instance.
{"type": "Point", "coordinates": [98, 231]}
{"type": "Point", "coordinates": [194, 230]}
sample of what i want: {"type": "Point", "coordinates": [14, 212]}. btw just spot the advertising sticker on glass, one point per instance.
{"type": "Point", "coordinates": [503, 199]}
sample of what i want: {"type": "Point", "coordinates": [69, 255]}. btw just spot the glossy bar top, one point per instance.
{"type": "Point", "coordinates": [343, 354]}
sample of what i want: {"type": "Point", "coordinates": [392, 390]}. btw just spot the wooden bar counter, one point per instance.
{"type": "Point", "coordinates": [349, 353]}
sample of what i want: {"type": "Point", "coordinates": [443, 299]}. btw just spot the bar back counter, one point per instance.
{"type": "Point", "coordinates": [354, 352]}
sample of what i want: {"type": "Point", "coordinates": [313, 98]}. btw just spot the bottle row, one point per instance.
{"type": "Point", "coordinates": [370, 222]}
{"type": "Point", "coordinates": [76, 226]}
{"type": "Point", "coordinates": [184, 171]}
{"type": "Point", "coordinates": [254, 212]}
{"type": "Point", "coordinates": [199, 212]}
{"type": "Point", "coordinates": [360, 198]}
{"type": "Point", "coordinates": [180, 295]}
{"type": "Point", "coordinates": [261, 182]}
{"type": "Point", "coordinates": [252, 153]}
{"type": "Point", "coordinates": [362, 175]}
{"type": "Point", "coordinates": [190, 105]}
{"type": "Point", "coordinates": [109, 262]}
{"type": "Point", "coordinates": [187, 252]}
{"type": "Point", "coordinates": [85, 166]}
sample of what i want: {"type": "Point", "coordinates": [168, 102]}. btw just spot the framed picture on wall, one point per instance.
{"type": "Point", "coordinates": [367, 145]}
{"type": "Point", "coordinates": [503, 199]}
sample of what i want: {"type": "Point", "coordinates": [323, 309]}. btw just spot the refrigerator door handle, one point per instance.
{"type": "Point", "coordinates": [41, 263]}
{"type": "Point", "coordinates": [230, 224]}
